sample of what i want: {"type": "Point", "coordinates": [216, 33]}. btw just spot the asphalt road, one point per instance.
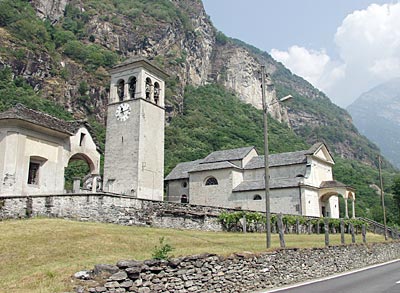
{"type": "Point", "coordinates": [379, 279]}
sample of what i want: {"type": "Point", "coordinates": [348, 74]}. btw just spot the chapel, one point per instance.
{"type": "Point", "coordinates": [301, 183]}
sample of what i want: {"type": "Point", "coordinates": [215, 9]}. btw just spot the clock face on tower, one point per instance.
{"type": "Point", "coordinates": [123, 111]}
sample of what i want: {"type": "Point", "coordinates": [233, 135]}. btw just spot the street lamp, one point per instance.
{"type": "Point", "coordinates": [266, 154]}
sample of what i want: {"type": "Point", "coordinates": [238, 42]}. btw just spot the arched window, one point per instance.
{"type": "Point", "coordinates": [257, 197]}
{"type": "Point", "coordinates": [121, 89]}
{"type": "Point", "coordinates": [132, 87]}
{"type": "Point", "coordinates": [211, 181]}
{"type": "Point", "coordinates": [184, 198]}
{"type": "Point", "coordinates": [148, 88]}
{"type": "Point", "coordinates": [157, 91]}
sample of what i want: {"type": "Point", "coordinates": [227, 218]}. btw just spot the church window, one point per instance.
{"type": "Point", "coordinates": [211, 181]}
{"type": "Point", "coordinates": [184, 184]}
{"type": "Point", "coordinates": [35, 164]}
{"type": "Point", "coordinates": [156, 92]}
{"type": "Point", "coordinates": [148, 88]}
{"type": "Point", "coordinates": [257, 197]}
{"type": "Point", "coordinates": [132, 87]}
{"type": "Point", "coordinates": [184, 198]}
{"type": "Point", "coordinates": [81, 140]}
{"type": "Point", "coordinates": [121, 90]}
{"type": "Point", "coordinates": [33, 174]}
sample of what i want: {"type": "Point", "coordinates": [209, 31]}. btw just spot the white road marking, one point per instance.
{"type": "Point", "coordinates": [330, 277]}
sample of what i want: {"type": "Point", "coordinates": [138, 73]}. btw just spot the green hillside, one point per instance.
{"type": "Point", "coordinates": [66, 62]}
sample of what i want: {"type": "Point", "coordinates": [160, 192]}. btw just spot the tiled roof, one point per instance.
{"type": "Point", "coordinates": [228, 155]}
{"type": "Point", "coordinates": [181, 170]}
{"type": "Point", "coordinates": [274, 183]}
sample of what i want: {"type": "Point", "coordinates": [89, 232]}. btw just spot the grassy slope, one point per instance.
{"type": "Point", "coordinates": [40, 255]}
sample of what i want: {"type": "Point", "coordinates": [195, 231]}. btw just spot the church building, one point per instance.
{"type": "Point", "coordinates": [35, 148]}
{"type": "Point", "coordinates": [301, 183]}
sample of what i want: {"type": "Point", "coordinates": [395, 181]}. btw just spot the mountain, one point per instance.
{"type": "Point", "coordinates": [376, 114]}
{"type": "Point", "coordinates": [54, 56]}
{"type": "Point", "coordinates": [62, 48]}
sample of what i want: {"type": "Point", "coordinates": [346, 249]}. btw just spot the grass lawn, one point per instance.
{"type": "Point", "coordinates": [40, 255]}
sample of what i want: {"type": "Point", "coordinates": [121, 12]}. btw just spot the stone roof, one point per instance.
{"type": "Point", "coordinates": [274, 183]}
{"type": "Point", "coordinates": [20, 112]}
{"type": "Point", "coordinates": [223, 157]}
{"type": "Point", "coordinates": [332, 184]}
{"type": "Point", "coordinates": [212, 166]}
{"type": "Point", "coordinates": [278, 160]}
{"type": "Point", "coordinates": [143, 61]}
{"type": "Point", "coordinates": [228, 155]}
{"type": "Point", "coordinates": [181, 170]}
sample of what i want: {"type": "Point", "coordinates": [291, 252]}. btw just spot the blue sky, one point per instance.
{"type": "Point", "coordinates": [343, 47]}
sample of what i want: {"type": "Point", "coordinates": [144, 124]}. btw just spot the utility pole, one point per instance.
{"type": "Point", "coordinates": [266, 162]}
{"type": "Point", "coordinates": [382, 195]}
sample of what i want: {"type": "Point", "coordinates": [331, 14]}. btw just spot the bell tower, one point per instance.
{"type": "Point", "coordinates": [134, 150]}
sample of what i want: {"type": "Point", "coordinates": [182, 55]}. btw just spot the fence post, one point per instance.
{"type": "Point", "coordinates": [326, 227]}
{"type": "Point", "coordinates": [364, 232]}
{"type": "Point", "coordinates": [318, 228]}
{"type": "Point", "coordinates": [297, 226]}
{"type": "Point", "coordinates": [281, 232]}
{"type": "Point", "coordinates": [353, 236]}
{"type": "Point", "coordinates": [342, 231]}
{"type": "Point", "coordinates": [309, 226]}
{"type": "Point", "coordinates": [244, 223]}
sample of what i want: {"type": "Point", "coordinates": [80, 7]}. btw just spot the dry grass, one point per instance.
{"type": "Point", "coordinates": [40, 255]}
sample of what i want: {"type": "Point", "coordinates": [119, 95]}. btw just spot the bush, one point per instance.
{"type": "Point", "coordinates": [163, 250]}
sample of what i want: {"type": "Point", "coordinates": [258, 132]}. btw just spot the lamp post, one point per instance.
{"type": "Point", "coordinates": [266, 154]}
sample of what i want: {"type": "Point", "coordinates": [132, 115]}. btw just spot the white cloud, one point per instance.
{"type": "Point", "coordinates": [314, 66]}
{"type": "Point", "coordinates": [368, 43]}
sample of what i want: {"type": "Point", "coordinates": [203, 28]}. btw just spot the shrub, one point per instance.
{"type": "Point", "coordinates": [163, 250]}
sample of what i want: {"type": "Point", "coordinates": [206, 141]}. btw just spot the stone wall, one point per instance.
{"type": "Point", "coordinates": [109, 208]}
{"type": "Point", "coordinates": [243, 272]}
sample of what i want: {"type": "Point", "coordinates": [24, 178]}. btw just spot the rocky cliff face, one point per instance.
{"type": "Point", "coordinates": [50, 9]}
{"type": "Point", "coordinates": [188, 47]}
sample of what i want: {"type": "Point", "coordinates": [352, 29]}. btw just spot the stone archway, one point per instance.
{"type": "Point", "coordinates": [329, 204]}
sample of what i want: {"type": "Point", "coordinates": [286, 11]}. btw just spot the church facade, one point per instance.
{"type": "Point", "coordinates": [301, 183]}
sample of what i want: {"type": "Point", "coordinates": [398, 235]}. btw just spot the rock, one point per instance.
{"type": "Point", "coordinates": [83, 275]}
{"type": "Point", "coordinates": [153, 262]}
{"type": "Point", "coordinates": [189, 284]}
{"type": "Point", "coordinates": [126, 284]}
{"type": "Point", "coordinates": [79, 289]}
{"type": "Point", "coordinates": [144, 290]}
{"type": "Point", "coordinates": [112, 284]}
{"type": "Point", "coordinates": [101, 289]}
{"type": "Point", "coordinates": [120, 276]}
{"type": "Point", "coordinates": [123, 264]}
{"type": "Point", "coordinates": [100, 268]}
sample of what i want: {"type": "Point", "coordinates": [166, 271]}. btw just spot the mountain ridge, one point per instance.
{"type": "Point", "coordinates": [375, 113]}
